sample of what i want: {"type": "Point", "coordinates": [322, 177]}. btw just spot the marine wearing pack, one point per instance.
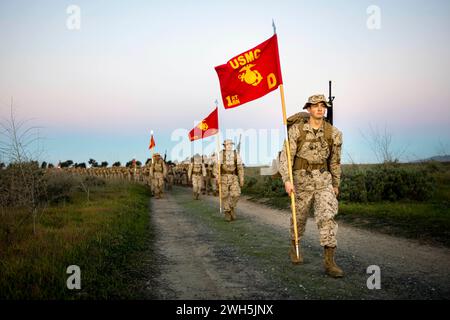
{"type": "Point", "coordinates": [196, 172]}
{"type": "Point", "coordinates": [316, 156]}
{"type": "Point", "coordinates": [231, 178]}
{"type": "Point", "coordinates": [158, 171]}
{"type": "Point", "coordinates": [170, 176]}
{"type": "Point", "coordinates": [210, 180]}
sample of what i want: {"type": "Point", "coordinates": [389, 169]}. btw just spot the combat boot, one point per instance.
{"type": "Point", "coordinates": [331, 267]}
{"type": "Point", "coordinates": [228, 216]}
{"type": "Point", "coordinates": [233, 214]}
{"type": "Point", "coordinates": [293, 253]}
{"type": "Point", "coordinates": [197, 195]}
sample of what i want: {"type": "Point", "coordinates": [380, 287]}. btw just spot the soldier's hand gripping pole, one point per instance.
{"type": "Point", "coordinates": [289, 164]}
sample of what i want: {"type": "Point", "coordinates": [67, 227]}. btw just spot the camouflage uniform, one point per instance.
{"type": "Point", "coordinates": [170, 177]}
{"type": "Point", "coordinates": [158, 171]}
{"type": "Point", "coordinates": [209, 178]}
{"type": "Point", "coordinates": [213, 181]}
{"type": "Point", "coordinates": [231, 178]}
{"type": "Point", "coordinates": [316, 170]}
{"type": "Point", "coordinates": [196, 172]}
{"type": "Point", "coordinates": [147, 176]}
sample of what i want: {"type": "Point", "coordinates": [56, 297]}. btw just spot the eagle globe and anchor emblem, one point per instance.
{"type": "Point", "coordinates": [203, 126]}
{"type": "Point", "coordinates": [252, 77]}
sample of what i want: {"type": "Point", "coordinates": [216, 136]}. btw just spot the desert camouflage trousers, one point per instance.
{"type": "Point", "coordinates": [314, 192]}
{"type": "Point", "coordinates": [197, 183]}
{"type": "Point", "coordinates": [213, 185]}
{"type": "Point", "coordinates": [170, 181]}
{"type": "Point", "coordinates": [158, 183]}
{"type": "Point", "coordinates": [230, 193]}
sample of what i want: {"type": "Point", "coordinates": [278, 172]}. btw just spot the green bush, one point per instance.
{"type": "Point", "coordinates": [60, 186]}
{"type": "Point", "coordinates": [374, 183]}
{"type": "Point", "coordinates": [389, 183]}
{"type": "Point", "coordinates": [265, 187]}
{"type": "Point", "coordinates": [93, 181]}
{"type": "Point", "coordinates": [353, 187]}
{"type": "Point", "coordinates": [273, 187]}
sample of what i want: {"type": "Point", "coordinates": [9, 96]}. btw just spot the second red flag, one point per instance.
{"type": "Point", "coordinates": [208, 127]}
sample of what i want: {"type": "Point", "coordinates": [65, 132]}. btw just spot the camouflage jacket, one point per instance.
{"type": "Point", "coordinates": [158, 166]}
{"type": "Point", "coordinates": [314, 152]}
{"type": "Point", "coordinates": [228, 163]}
{"type": "Point", "coordinates": [197, 168]}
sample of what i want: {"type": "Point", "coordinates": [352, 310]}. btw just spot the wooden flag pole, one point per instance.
{"type": "Point", "coordinates": [219, 178]}
{"type": "Point", "coordinates": [289, 164]}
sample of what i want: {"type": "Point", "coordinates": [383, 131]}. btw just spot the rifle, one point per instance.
{"type": "Point", "coordinates": [238, 148]}
{"type": "Point", "coordinates": [165, 155]}
{"type": "Point", "coordinates": [330, 104]}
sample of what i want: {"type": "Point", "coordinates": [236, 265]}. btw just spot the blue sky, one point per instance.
{"type": "Point", "coordinates": [137, 66]}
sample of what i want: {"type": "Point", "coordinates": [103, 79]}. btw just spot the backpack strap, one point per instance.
{"type": "Point", "coordinates": [300, 163]}
{"type": "Point", "coordinates": [302, 137]}
{"type": "Point", "coordinates": [235, 163]}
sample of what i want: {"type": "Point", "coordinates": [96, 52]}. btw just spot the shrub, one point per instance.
{"type": "Point", "coordinates": [60, 186]}
{"type": "Point", "coordinates": [353, 187]}
{"type": "Point", "coordinates": [389, 183]}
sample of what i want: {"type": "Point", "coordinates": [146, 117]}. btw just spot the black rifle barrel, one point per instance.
{"type": "Point", "coordinates": [330, 104]}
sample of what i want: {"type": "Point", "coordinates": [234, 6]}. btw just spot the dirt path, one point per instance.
{"type": "Point", "coordinates": [201, 261]}
{"type": "Point", "coordinates": [421, 268]}
{"type": "Point", "coordinates": [190, 269]}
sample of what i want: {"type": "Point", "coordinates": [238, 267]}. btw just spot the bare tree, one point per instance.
{"type": "Point", "coordinates": [442, 149]}
{"type": "Point", "coordinates": [23, 183]}
{"type": "Point", "coordinates": [381, 144]}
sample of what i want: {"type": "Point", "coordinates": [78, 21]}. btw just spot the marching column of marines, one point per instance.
{"type": "Point", "coordinates": [315, 149]}
{"type": "Point", "coordinates": [196, 173]}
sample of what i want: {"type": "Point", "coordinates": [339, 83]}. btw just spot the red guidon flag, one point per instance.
{"type": "Point", "coordinates": [208, 127]}
{"type": "Point", "coordinates": [251, 74]}
{"type": "Point", "coordinates": [152, 143]}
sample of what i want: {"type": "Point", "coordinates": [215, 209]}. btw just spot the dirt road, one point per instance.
{"type": "Point", "coordinates": [205, 257]}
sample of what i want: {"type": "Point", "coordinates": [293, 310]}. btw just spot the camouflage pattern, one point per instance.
{"type": "Point", "coordinates": [213, 179]}
{"type": "Point", "coordinates": [315, 99]}
{"type": "Point", "coordinates": [158, 171]}
{"type": "Point", "coordinates": [230, 181]}
{"type": "Point", "coordinates": [314, 188]}
{"type": "Point", "coordinates": [196, 173]}
{"type": "Point", "coordinates": [170, 178]}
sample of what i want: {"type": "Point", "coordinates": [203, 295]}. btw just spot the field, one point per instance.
{"type": "Point", "coordinates": [108, 237]}
{"type": "Point", "coordinates": [131, 246]}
